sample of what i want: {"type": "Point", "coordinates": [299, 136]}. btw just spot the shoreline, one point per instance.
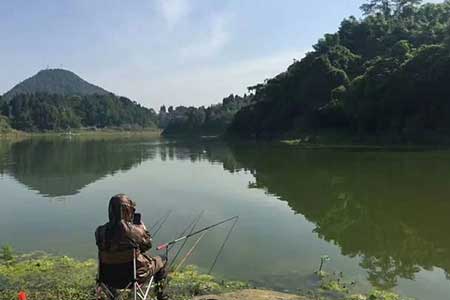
{"type": "Point", "coordinates": [45, 276]}
{"type": "Point", "coordinates": [300, 142]}
{"type": "Point", "coordinates": [84, 134]}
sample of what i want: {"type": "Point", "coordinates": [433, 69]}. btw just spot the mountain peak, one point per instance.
{"type": "Point", "coordinates": [55, 81]}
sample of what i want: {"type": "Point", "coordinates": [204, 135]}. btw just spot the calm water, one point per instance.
{"type": "Point", "coordinates": [381, 215]}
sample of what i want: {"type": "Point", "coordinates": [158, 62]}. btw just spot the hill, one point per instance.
{"type": "Point", "coordinates": [55, 81]}
{"type": "Point", "coordinates": [60, 100]}
{"type": "Point", "coordinates": [382, 76]}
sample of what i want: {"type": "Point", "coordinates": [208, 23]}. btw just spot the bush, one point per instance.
{"type": "Point", "coordinates": [4, 125]}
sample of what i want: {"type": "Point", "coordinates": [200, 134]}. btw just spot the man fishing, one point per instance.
{"type": "Point", "coordinates": [122, 233]}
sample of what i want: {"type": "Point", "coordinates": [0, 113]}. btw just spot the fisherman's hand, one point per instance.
{"type": "Point", "coordinates": [141, 227]}
{"type": "Point", "coordinates": [145, 237]}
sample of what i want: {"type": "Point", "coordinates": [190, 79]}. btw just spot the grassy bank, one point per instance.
{"type": "Point", "coordinates": [101, 134]}
{"type": "Point", "coordinates": [6, 132]}
{"type": "Point", "coordinates": [43, 276]}
{"type": "Point", "coordinates": [343, 138]}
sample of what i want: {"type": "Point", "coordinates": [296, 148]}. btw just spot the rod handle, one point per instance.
{"type": "Point", "coordinates": [162, 246]}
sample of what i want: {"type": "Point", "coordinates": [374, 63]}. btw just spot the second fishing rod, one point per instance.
{"type": "Point", "coordinates": [166, 245]}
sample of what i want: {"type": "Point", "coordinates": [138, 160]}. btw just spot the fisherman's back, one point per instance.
{"type": "Point", "coordinates": [120, 241]}
{"type": "Point", "coordinates": [116, 244]}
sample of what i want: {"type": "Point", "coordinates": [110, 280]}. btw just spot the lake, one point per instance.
{"type": "Point", "coordinates": [381, 215]}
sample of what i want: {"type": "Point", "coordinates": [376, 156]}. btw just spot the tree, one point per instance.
{"type": "Point", "coordinates": [401, 50]}
{"type": "Point", "coordinates": [7, 253]}
{"type": "Point", "coordinates": [447, 35]}
{"type": "Point", "coordinates": [402, 6]}
{"type": "Point", "coordinates": [378, 6]}
{"type": "Point", "coordinates": [390, 7]}
{"type": "Point", "coordinates": [4, 107]}
{"type": "Point", "coordinates": [326, 43]}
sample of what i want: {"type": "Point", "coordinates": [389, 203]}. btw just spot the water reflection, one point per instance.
{"type": "Point", "coordinates": [390, 208]}
{"type": "Point", "coordinates": [62, 167]}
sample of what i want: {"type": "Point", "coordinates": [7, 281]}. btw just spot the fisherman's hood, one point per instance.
{"type": "Point", "coordinates": [121, 208]}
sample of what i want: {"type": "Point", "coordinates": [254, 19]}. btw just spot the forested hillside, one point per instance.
{"type": "Point", "coordinates": [386, 74]}
{"type": "Point", "coordinates": [212, 120]}
{"type": "Point", "coordinates": [41, 112]}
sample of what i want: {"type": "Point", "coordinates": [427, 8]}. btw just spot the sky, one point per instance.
{"type": "Point", "coordinates": [172, 52]}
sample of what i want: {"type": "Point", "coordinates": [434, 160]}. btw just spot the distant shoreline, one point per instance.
{"type": "Point", "coordinates": [305, 142]}
{"type": "Point", "coordinates": [99, 133]}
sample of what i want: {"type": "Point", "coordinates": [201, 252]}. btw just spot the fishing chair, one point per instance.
{"type": "Point", "coordinates": [116, 280]}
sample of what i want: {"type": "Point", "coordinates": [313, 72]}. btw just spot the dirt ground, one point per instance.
{"type": "Point", "coordinates": [252, 294]}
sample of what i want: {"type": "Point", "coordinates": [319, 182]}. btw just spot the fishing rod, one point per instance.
{"type": "Point", "coordinates": [191, 226]}
{"type": "Point", "coordinates": [166, 245]}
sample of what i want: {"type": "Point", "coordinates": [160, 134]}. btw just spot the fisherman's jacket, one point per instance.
{"type": "Point", "coordinates": [117, 239]}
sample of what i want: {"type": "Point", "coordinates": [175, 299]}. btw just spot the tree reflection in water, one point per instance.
{"type": "Point", "coordinates": [57, 167]}
{"type": "Point", "coordinates": [388, 207]}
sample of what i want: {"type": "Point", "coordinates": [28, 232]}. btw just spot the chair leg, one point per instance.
{"type": "Point", "coordinates": [149, 285]}
{"type": "Point", "coordinates": [98, 292]}
{"type": "Point", "coordinates": [134, 275]}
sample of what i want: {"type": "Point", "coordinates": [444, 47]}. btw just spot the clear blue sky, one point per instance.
{"type": "Point", "coordinates": [174, 52]}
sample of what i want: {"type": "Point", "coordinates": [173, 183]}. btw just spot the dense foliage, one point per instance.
{"type": "Point", "coordinates": [40, 112]}
{"type": "Point", "coordinates": [212, 120]}
{"type": "Point", "coordinates": [55, 81]}
{"type": "Point", "coordinates": [384, 75]}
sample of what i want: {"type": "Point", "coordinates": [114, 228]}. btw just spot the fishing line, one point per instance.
{"type": "Point", "coordinates": [189, 253]}
{"type": "Point", "coordinates": [192, 226]}
{"type": "Point", "coordinates": [156, 223]}
{"type": "Point", "coordinates": [162, 223]}
{"type": "Point", "coordinates": [223, 245]}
